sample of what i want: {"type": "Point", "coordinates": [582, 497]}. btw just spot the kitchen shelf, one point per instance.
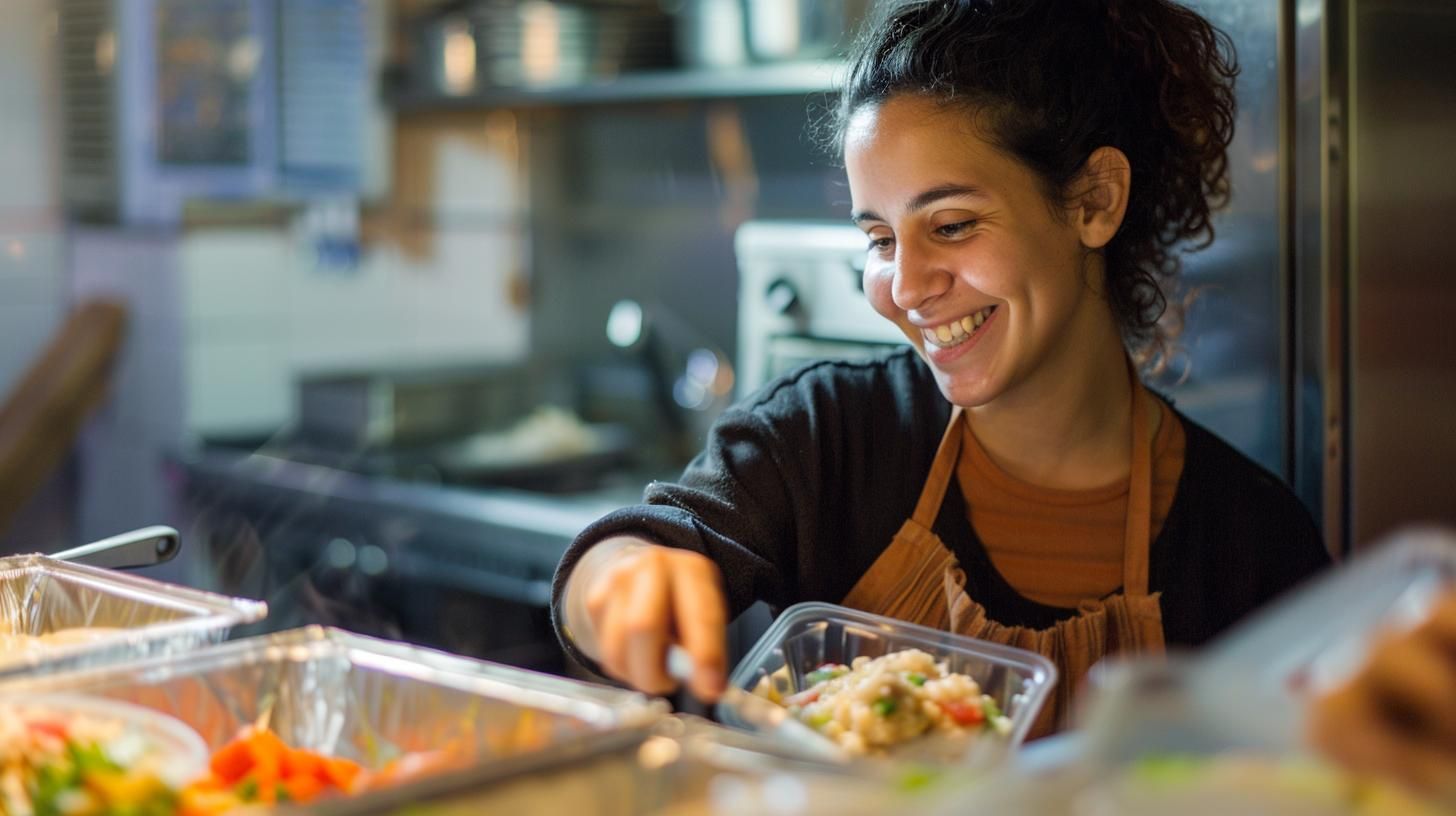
{"type": "Point", "coordinates": [777, 79]}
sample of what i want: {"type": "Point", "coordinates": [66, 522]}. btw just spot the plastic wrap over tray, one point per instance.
{"type": "Point", "coordinates": [135, 617]}
{"type": "Point", "coordinates": [372, 701]}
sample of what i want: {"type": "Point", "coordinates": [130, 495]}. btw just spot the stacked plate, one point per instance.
{"type": "Point", "coordinates": [553, 42]}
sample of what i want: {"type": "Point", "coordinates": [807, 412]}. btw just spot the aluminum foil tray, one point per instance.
{"type": "Point", "coordinates": [684, 767]}
{"type": "Point", "coordinates": [41, 596]}
{"type": "Point", "coordinates": [373, 701]}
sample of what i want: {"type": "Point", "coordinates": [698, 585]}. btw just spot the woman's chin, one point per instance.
{"type": "Point", "coordinates": [959, 391]}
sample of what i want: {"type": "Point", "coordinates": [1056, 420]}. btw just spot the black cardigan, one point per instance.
{"type": "Point", "coordinates": [803, 484]}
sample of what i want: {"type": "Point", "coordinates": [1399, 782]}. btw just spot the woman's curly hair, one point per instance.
{"type": "Point", "coordinates": [1050, 81]}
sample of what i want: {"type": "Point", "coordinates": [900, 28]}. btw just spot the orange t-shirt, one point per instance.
{"type": "Point", "coordinates": [1060, 547]}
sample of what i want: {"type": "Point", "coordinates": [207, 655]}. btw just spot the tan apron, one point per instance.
{"type": "Point", "coordinates": [917, 579]}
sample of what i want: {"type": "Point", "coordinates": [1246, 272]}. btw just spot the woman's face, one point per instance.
{"type": "Point", "coordinates": [965, 253]}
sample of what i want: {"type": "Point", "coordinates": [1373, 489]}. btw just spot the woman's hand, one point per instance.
{"type": "Point", "coordinates": [1397, 717]}
{"type": "Point", "coordinates": [628, 600]}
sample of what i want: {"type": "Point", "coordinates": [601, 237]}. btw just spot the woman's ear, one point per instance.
{"type": "Point", "coordinates": [1101, 199]}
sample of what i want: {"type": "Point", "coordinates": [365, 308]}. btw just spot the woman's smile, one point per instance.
{"type": "Point", "coordinates": [958, 332]}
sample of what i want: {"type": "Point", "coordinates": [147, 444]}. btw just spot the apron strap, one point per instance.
{"type": "Point", "coordinates": [1137, 525]}
{"type": "Point", "coordinates": [941, 469]}
{"type": "Point", "coordinates": [1138, 520]}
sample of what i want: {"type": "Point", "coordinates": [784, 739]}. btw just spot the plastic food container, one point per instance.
{"type": "Point", "coordinates": [808, 635]}
{"type": "Point", "coordinates": [183, 752]}
{"type": "Point", "coordinates": [1219, 731]}
{"type": "Point", "coordinates": [1158, 743]}
{"type": "Point", "coordinates": [133, 617]}
{"type": "Point", "coordinates": [373, 701]}
{"type": "Point", "coordinates": [1262, 673]}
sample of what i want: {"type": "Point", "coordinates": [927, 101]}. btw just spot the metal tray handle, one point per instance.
{"type": "Point", "coordinates": [146, 547]}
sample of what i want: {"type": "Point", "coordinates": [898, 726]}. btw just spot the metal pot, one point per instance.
{"type": "Point", "coordinates": [781, 30]}
{"type": "Point", "coordinates": [711, 33]}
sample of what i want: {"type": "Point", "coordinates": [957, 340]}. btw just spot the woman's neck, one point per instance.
{"type": "Point", "coordinates": [1069, 425]}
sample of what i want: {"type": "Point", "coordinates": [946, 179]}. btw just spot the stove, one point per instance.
{"type": "Point", "coordinates": [801, 298]}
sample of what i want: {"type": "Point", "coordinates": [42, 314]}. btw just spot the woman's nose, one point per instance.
{"type": "Point", "coordinates": [920, 277]}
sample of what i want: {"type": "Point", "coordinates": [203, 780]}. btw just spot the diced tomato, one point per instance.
{"type": "Point", "coordinates": [341, 773]}
{"type": "Point", "coordinates": [50, 728]}
{"type": "Point", "coordinates": [232, 761]}
{"type": "Point", "coordinates": [304, 789]}
{"type": "Point", "coordinates": [413, 766]}
{"type": "Point", "coordinates": [803, 698]}
{"type": "Point", "coordinates": [964, 714]}
{"type": "Point", "coordinates": [298, 762]}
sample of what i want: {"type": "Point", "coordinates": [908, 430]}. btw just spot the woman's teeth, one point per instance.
{"type": "Point", "coordinates": [953, 334]}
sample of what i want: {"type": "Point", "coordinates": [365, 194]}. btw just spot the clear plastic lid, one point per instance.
{"type": "Point", "coordinates": [808, 635]}
{"type": "Point", "coordinates": [1260, 676]}
{"type": "Point", "coordinates": [56, 615]}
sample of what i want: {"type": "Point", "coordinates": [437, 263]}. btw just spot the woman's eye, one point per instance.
{"type": "Point", "coordinates": [881, 244]}
{"type": "Point", "coordinates": [952, 230]}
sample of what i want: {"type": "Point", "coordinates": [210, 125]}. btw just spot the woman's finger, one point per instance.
{"type": "Point", "coordinates": [647, 625]}
{"type": "Point", "coordinates": [700, 611]}
{"type": "Point", "coordinates": [611, 640]}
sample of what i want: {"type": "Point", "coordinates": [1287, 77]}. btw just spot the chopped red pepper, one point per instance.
{"type": "Point", "coordinates": [50, 728]}
{"type": "Point", "coordinates": [964, 714]}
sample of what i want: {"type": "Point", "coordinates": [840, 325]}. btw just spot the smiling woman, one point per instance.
{"type": "Point", "coordinates": [1025, 172]}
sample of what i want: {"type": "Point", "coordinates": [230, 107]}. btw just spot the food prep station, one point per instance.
{"type": "Point", "coordinates": [436, 733]}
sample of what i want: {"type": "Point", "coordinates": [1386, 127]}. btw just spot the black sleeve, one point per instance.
{"type": "Point", "coordinates": [1296, 549]}
{"type": "Point", "coordinates": [737, 503]}
{"type": "Point", "coordinates": [799, 488]}
{"type": "Point", "coordinates": [743, 502]}
{"type": "Point", "coordinates": [1241, 540]}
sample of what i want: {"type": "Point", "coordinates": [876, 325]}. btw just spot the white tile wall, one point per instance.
{"type": "Point", "coordinates": [140, 270]}
{"type": "Point", "coordinates": [28, 159]}
{"type": "Point", "coordinates": [259, 293]}
{"type": "Point", "coordinates": [121, 471]}
{"type": "Point", "coordinates": [31, 291]}
{"type": "Point", "coordinates": [475, 176]}
{"type": "Point", "coordinates": [237, 384]}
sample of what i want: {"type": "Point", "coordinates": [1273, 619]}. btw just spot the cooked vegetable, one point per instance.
{"type": "Point", "coordinates": [53, 763]}
{"type": "Point", "coordinates": [259, 768]}
{"type": "Point", "coordinates": [825, 673]}
{"type": "Point", "coordinates": [879, 703]}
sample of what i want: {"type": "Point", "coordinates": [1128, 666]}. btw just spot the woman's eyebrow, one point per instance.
{"type": "Point", "coordinates": [925, 199]}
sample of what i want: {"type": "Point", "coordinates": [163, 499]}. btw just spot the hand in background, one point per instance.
{"type": "Point", "coordinates": [1397, 717]}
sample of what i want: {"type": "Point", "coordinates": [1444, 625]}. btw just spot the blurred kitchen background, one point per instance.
{"type": "Point", "coordinates": [380, 301]}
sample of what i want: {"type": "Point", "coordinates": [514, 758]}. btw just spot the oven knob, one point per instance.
{"type": "Point", "coordinates": [781, 297]}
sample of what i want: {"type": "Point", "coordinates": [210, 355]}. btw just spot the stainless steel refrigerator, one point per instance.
{"type": "Point", "coordinates": [1324, 340]}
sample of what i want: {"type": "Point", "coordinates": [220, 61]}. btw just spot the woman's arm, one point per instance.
{"type": "Point", "coordinates": [646, 577]}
